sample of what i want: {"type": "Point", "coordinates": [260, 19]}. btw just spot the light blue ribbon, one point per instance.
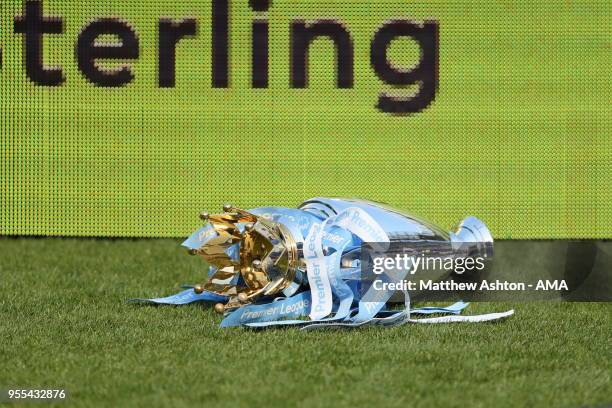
{"type": "Point", "coordinates": [455, 308]}
{"type": "Point", "coordinates": [280, 308]}
{"type": "Point", "coordinates": [200, 237]}
{"type": "Point", "coordinates": [184, 297]}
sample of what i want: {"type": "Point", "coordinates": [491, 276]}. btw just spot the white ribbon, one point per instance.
{"type": "Point", "coordinates": [318, 278]}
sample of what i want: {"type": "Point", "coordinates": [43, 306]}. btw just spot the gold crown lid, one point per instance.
{"type": "Point", "coordinates": [268, 256]}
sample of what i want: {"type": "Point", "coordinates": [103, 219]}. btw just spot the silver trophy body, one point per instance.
{"type": "Point", "coordinates": [260, 252]}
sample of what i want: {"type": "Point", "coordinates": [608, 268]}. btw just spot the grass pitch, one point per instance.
{"type": "Point", "coordinates": [64, 323]}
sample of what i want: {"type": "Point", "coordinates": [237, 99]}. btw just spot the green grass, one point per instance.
{"type": "Point", "coordinates": [64, 323]}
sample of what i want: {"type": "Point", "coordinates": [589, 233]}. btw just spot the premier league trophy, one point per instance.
{"type": "Point", "coordinates": [271, 266]}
